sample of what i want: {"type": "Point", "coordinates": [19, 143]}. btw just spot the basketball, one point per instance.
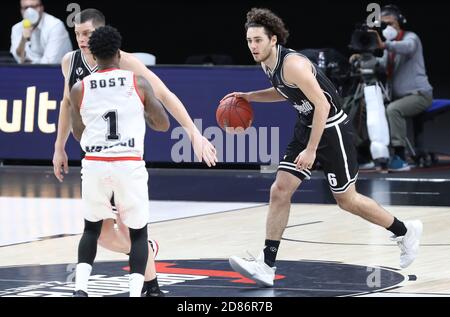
{"type": "Point", "coordinates": [234, 114]}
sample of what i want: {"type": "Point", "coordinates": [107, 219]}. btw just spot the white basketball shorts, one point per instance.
{"type": "Point", "coordinates": [127, 180]}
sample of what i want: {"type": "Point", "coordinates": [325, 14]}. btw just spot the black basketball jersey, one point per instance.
{"type": "Point", "coordinates": [79, 68]}
{"type": "Point", "coordinates": [294, 95]}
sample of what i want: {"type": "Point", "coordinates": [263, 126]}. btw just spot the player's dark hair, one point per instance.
{"type": "Point", "coordinates": [273, 25]}
{"type": "Point", "coordinates": [104, 42]}
{"type": "Point", "coordinates": [95, 16]}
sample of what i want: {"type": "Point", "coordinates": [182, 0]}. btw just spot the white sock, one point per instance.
{"type": "Point", "coordinates": [136, 284]}
{"type": "Point", "coordinates": [82, 276]}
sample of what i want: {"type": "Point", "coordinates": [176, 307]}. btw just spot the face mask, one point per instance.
{"type": "Point", "coordinates": [32, 15]}
{"type": "Point", "coordinates": [390, 33]}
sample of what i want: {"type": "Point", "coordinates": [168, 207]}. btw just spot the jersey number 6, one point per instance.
{"type": "Point", "coordinates": [332, 179]}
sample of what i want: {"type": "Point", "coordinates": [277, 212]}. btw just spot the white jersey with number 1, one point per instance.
{"type": "Point", "coordinates": [113, 114]}
{"type": "Point", "coordinates": [113, 139]}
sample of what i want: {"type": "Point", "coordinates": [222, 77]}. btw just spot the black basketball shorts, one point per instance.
{"type": "Point", "coordinates": [336, 154]}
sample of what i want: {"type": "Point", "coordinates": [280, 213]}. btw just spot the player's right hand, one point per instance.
{"type": "Point", "coordinates": [243, 95]}
{"type": "Point", "coordinates": [60, 164]}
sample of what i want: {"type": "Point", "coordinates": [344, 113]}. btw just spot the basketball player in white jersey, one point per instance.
{"type": "Point", "coordinates": [109, 110]}
{"type": "Point", "coordinates": [77, 65]}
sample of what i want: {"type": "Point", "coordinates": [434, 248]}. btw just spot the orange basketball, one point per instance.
{"type": "Point", "coordinates": [234, 114]}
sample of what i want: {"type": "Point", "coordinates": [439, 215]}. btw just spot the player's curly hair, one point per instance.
{"type": "Point", "coordinates": [259, 17]}
{"type": "Point", "coordinates": [105, 42]}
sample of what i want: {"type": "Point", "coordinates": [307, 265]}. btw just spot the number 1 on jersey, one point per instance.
{"type": "Point", "coordinates": [111, 118]}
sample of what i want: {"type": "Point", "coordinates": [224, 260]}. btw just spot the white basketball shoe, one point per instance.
{"type": "Point", "coordinates": [409, 243]}
{"type": "Point", "coordinates": [255, 269]}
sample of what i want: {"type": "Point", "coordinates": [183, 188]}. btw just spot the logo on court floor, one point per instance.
{"type": "Point", "coordinates": [201, 278]}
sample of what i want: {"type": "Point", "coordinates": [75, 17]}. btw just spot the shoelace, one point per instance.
{"type": "Point", "coordinates": [400, 243]}
{"type": "Point", "coordinates": [402, 247]}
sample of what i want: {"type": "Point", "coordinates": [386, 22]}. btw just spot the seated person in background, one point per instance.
{"type": "Point", "coordinates": [40, 38]}
{"type": "Point", "coordinates": [405, 67]}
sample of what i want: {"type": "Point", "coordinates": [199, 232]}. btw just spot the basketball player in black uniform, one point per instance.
{"type": "Point", "coordinates": [322, 133]}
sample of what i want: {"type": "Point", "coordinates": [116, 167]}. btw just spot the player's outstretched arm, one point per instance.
{"type": "Point", "coordinates": [155, 115]}
{"type": "Point", "coordinates": [203, 149]}
{"type": "Point", "coordinates": [76, 95]}
{"type": "Point", "coordinates": [266, 95]}
{"type": "Point", "coordinates": [60, 160]}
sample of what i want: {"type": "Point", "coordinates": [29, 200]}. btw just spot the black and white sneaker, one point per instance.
{"type": "Point", "coordinates": [80, 293]}
{"type": "Point", "coordinates": [152, 293]}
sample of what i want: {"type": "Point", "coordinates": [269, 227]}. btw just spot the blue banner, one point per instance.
{"type": "Point", "coordinates": [30, 97]}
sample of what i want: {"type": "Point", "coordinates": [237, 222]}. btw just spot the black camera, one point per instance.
{"type": "Point", "coordinates": [363, 40]}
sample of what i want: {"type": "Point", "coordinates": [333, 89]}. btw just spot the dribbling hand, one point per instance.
{"type": "Point", "coordinates": [243, 95]}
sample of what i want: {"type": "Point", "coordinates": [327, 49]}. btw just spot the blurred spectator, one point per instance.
{"type": "Point", "coordinates": [40, 38]}
{"type": "Point", "coordinates": [405, 68]}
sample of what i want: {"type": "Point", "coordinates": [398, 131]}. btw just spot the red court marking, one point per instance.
{"type": "Point", "coordinates": [166, 267]}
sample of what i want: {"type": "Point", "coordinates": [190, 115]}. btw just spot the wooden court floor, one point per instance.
{"type": "Point", "coordinates": [316, 233]}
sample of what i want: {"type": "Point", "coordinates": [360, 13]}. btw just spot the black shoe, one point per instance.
{"type": "Point", "coordinates": [152, 293]}
{"type": "Point", "coordinates": [80, 293]}
{"type": "Point", "coordinates": [157, 293]}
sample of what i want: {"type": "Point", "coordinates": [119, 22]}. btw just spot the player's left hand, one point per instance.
{"type": "Point", "coordinates": [305, 159]}
{"type": "Point", "coordinates": [204, 150]}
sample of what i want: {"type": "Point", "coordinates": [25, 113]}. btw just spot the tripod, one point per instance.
{"type": "Point", "coordinates": [365, 108]}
